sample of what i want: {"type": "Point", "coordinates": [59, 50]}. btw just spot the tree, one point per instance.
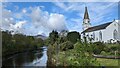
{"type": "Point", "coordinates": [73, 36]}
{"type": "Point", "coordinates": [12, 44]}
{"type": "Point", "coordinates": [53, 36]}
{"type": "Point", "coordinates": [66, 45]}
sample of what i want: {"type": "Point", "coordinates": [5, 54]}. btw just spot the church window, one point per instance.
{"type": "Point", "coordinates": [115, 34]}
{"type": "Point", "coordinates": [100, 36]}
{"type": "Point", "coordinates": [93, 35]}
{"type": "Point", "coordinates": [114, 24]}
{"type": "Point", "coordinates": [96, 38]}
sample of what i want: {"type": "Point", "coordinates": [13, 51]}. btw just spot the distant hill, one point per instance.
{"type": "Point", "coordinates": [41, 36]}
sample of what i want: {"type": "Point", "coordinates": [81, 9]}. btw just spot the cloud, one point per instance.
{"type": "Point", "coordinates": [67, 15]}
{"type": "Point", "coordinates": [19, 24]}
{"type": "Point", "coordinates": [38, 21]}
{"type": "Point", "coordinates": [8, 23]}
{"type": "Point", "coordinates": [18, 27]}
{"type": "Point", "coordinates": [0, 14]}
{"type": "Point", "coordinates": [99, 12]}
{"type": "Point", "coordinates": [24, 10]}
{"type": "Point", "coordinates": [57, 22]}
{"type": "Point", "coordinates": [12, 21]}
{"type": "Point", "coordinates": [77, 24]}
{"type": "Point", "coordinates": [6, 19]}
{"type": "Point", "coordinates": [59, 0]}
{"type": "Point", "coordinates": [39, 18]}
{"type": "Point", "coordinates": [45, 21]}
{"type": "Point", "coordinates": [95, 0]}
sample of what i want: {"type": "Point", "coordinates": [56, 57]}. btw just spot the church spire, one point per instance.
{"type": "Point", "coordinates": [86, 20]}
{"type": "Point", "coordinates": [86, 16]}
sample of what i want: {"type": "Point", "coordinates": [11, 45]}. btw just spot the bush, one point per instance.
{"type": "Point", "coordinates": [114, 48]}
{"type": "Point", "coordinates": [66, 45]}
{"type": "Point", "coordinates": [98, 47]}
{"type": "Point", "coordinates": [103, 53]}
{"type": "Point", "coordinates": [53, 36]}
{"type": "Point", "coordinates": [73, 36]}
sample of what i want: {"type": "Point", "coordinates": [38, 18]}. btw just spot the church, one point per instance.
{"type": "Point", "coordinates": [108, 32]}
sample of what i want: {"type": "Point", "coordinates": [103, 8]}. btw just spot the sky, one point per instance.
{"type": "Point", "coordinates": [33, 18]}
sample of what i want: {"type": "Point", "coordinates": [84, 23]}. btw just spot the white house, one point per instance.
{"type": "Point", "coordinates": [63, 33]}
{"type": "Point", "coordinates": [108, 32]}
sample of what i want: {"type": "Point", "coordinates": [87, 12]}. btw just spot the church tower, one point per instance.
{"type": "Point", "coordinates": [86, 21]}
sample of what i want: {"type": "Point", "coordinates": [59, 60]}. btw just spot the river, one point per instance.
{"type": "Point", "coordinates": [36, 58]}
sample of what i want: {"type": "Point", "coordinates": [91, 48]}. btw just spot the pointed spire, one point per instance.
{"type": "Point", "coordinates": [86, 16]}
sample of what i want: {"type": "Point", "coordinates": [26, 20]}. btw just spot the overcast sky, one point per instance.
{"type": "Point", "coordinates": [34, 18]}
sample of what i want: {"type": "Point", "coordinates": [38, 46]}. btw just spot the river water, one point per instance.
{"type": "Point", "coordinates": [34, 59]}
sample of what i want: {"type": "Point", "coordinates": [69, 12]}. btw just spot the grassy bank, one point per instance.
{"type": "Point", "coordinates": [108, 62]}
{"type": "Point", "coordinates": [67, 58]}
{"type": "Point", "coordinates": [79, 57]}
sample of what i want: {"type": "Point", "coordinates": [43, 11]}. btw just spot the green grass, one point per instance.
{"type": "Point", "coordinates": [108, 62]}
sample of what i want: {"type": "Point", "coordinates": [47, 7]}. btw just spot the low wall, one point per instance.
{"type": "Point", "coordinates": [107, 57]}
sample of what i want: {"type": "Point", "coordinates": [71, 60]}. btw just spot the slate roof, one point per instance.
{"type": "Point", "coordinates": [95, 28]}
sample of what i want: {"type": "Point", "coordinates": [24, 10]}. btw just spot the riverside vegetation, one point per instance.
{"type": "Point", "coordinates": [13, 44]}
{"type": "Point", "coordinates": [71, 51]}
{"type": "Point", "coordinates": [68, 50]}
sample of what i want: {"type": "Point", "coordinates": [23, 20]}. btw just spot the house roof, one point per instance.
{"type": "Point", "coordinates": [95, 28]}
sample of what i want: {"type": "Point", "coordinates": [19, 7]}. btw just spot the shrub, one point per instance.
{"type": "Point", "coordinates": [53, 36]}
{"type": "Point", "coordinates": [73, 36]}
{"type": "Point", "coordinates": [114, 48]}
{"type": "Point", "coordinates": [66, 45]}
{"type": "Point", "coordinates": [103, 53]}
{"type": "Point", "coordinates": [98, 47]}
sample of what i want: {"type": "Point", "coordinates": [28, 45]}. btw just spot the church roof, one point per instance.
{"type": "Point", "coordinates": [86, 16]}
{"type": "Point", "coordinates": [95, 28]}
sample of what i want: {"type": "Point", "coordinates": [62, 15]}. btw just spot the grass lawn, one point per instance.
{"type": "Point", "coordinates": [108, 62]}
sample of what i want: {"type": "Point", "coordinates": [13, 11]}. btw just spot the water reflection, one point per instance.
{"type": "Point", "coordinates": [35, 58]}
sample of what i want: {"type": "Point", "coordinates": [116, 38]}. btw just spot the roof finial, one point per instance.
{"type": "Point", "coordinates": [114, 19]}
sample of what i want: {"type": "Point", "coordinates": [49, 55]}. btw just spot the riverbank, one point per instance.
{"type": "Point", "coordinates": [33, 58]}
{"type": "Point", "coordinates": [5, 57]}
{"type": "Point", "coordinates": [108, 62]}
{"type": "Point", "coordinates": [67, 58]}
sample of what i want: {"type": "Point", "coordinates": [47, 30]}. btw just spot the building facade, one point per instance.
{"type": "Point", "coordinates": [108, 32]}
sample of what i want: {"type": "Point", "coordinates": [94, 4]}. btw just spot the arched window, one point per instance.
{"type": "Point", "coordinates": [100, 36]}
{"type": "Point", "coordinates": [93, 35]}
{"type": "Point", "coordinates": [115, 34]}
